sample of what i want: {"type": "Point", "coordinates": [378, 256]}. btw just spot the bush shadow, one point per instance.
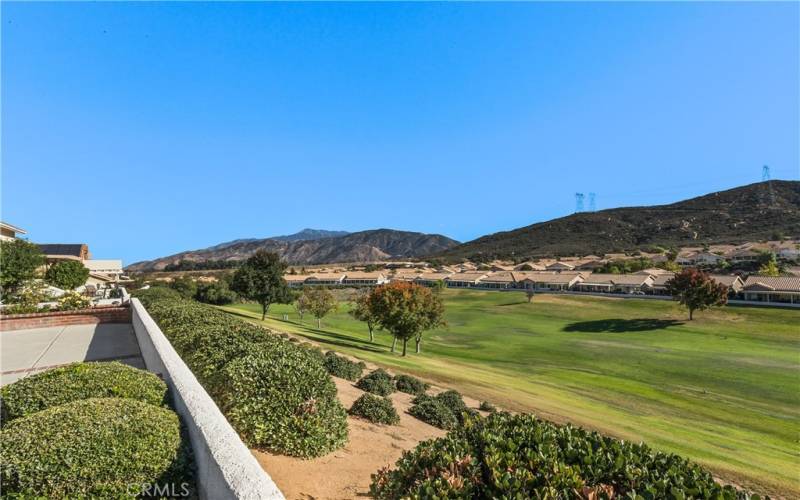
{"type": "Point", "coordinates": [617, 325]}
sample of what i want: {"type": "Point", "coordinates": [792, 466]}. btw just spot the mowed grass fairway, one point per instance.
{"type": "Point", "coordinates": [723, 389]}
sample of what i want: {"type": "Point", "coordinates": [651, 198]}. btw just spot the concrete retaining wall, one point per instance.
{"type": "Point", "coordinates": [64, 318]}
{"type": "Point", "coordinates": [225, 467]}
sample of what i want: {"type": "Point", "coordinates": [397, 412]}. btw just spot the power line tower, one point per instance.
{"type": "Point", "coordinates": [578, 202]}
{"type": "Point", "coordinates": [765, 176]}
{"type": "Point", "coordinates": [592, 206]}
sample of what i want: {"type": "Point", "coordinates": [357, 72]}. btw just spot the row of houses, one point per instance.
{"type": "Point", "coordinates": [646, 282]}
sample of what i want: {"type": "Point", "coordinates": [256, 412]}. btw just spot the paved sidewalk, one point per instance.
{"type": "Point", "coordinates": [31, 351]}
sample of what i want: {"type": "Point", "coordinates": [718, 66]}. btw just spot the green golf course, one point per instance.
{"type": "Point", "coordinates": [723, 389]}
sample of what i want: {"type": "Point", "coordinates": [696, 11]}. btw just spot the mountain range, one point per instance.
{"type": "Point", "coordinates": [760, 211]}
{"type": "Point", "coordinates": [765, 210]}
{"type": "Point", "coordinates": [316, 246]}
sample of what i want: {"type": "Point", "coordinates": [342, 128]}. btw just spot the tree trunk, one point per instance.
{"type": "Point", "coordinates": [371, 335]}
{"type": "Point", "coordinates": [405, 343]}
{"type": "Point", "coordinates": [394, 343]}
{"type": "Point", "coordinates": [319, 323]}
{"type": "Point", "coordinates": [264, 308]}
{"type": "Point", "coordinates": [419, 343]}
{"type": "Point", "coordinates": [691, 313]}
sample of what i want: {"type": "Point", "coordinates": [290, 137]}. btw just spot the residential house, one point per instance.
{"type": "Point", "coordinates": [54, 252]}
{"type": "Point", "coordinates": [787, 250]}
{"type": "Point", "coordinates": [551, 281]}
{"type": "Point", "coordinates": [733, 282]}
{"type": "Point", "coordinates": [771, 289]}
{"type": "Point", "coordinates": [9, 232]}
{"type": "Point", "coordinates": [465, 279]}
{"type": "Point", "coordinates": [406, 275]}
{"type": "Point", "coordinates": [560, 266]}
{"type": "Point", "coordinates": [743, 254]}
{"type": "Point", "coordinates": [530, 266]}
{"type": "Point", "coordinates": [499, 281]}
{"type": "Point", "coordinates": [701, 259]}
{"type": "Point", "coordinates": [654, 271]}
{"type": "Point", "coordinates": [325, 279]}
{"type": "Point", "coordinates": [615, 283]}
{"type": "Point", "coordinates": [430, 279]}
{"type": "Point", "coordinates": [363, 278]}
{"type": "Point", "coordinates": [295, 280]}
{"type": "Point", "coordinates": [590, 265]}
{"type": "Point", "coordinates": [659, 284]}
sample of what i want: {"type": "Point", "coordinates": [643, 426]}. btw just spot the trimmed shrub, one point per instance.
{"type": "Point", "coordinates": [80, 381]}
{"type": "Point", "coordinates": [377, 382]}
{"type": "Point", "coordinates": [72, 301]}
{"type": "Point", "coordinates": [487, 406]}
{"type": "Point", "coordinates": [281, 398]}
{"type": "Point", "coordinates": [275, 393]}
{"type": "Point", "coordinates": [410, 385]}
{"type": "Point", "coordinates": [519, 456]}
{"type": "Point", "coordinates": [376, 409]}
{"type": "Point", "coordinates": [454, 402]}
{"type": "Point", "coordinates": [433, 412]}
{"type": "Point", "coordinates": [341, 367]}
{"type": "Point", "coordinates": [93, 448]}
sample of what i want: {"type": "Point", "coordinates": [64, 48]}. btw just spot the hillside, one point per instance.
{"type": "Point", "coordinates": [747, 213]}
{"type": "Point", "coordinates": [364, 246]}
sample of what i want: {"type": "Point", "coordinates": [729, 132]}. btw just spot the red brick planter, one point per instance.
{"type": "Point", "coordinates": [113, 314]}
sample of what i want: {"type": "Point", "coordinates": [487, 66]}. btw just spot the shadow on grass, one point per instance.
{"type": "Point", "coordinates": [326, 337]}
{"type": "Point", "coordinates": [621, 325]}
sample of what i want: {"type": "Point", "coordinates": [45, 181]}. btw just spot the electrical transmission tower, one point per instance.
{"type": "Point", "coordinates": [592, 206]}
{"type": "Point", "coordinates": [579, 202]}
{"type": "Point", "coordinates": [765, 176]}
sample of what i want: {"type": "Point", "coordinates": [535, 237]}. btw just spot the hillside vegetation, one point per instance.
{"type": "Point", "coordinates": [748, 213]}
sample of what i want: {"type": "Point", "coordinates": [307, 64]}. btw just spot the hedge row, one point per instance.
{"type": "Point", "coordinates": [520, 456]}
{"type": "Point", "coordinates": [79, 381]}
{"type": "Point", "coordinates": [276, 394]}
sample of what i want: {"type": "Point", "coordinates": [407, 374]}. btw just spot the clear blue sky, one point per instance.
{"type": "Point", "coordinates": [146, 129]}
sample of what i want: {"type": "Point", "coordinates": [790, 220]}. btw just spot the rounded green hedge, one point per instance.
{"type": "Point", "coordinates": [80, 381]}
{"type": "Point", "coordinates": [410, 385]}
{"type": "Point", "coordinates": [433, 412]}
{"type": "Point", "coordinates": [376, 409]}
{"type": "Point", "coordinates": [455, 403]}
{"type": "Point", "coordinates": [281, 398]}
{"type": "Point", "coordinates": [520, 456]}
{"type": "Point", "coordinates": [377, 382]}
{"type": "Point", "coordinates": [341, 367]}
{"type": "Point", "coordinates": [93, 448]}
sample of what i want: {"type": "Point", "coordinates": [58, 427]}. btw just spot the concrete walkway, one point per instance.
{"type": "Point", "coordinates": [31, 351]}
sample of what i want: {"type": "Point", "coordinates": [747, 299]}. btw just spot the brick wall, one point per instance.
{"type": "Point", "coordinates": [63, 318]}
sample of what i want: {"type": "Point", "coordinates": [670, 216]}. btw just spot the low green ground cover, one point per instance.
{"type": "Point", "coordinates": [722, 389]}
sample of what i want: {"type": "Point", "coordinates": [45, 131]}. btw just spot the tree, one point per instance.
{"type": "Point", "coordinates": [217, 292]}
{"type": "Point", "coordinates": [362, 311]}
{"type": "Point", "coordinates": [67, 274]}
{"type": "Point", "coordinates": [769, 264]}
{"type": "Point", "coordinates": [529, 293]}
{"type": "Point", "coordinates": [301, 305]}
{"type": "Point", "coordinates": [697, 290]}
{"type": "Point", "coordinates": [185, 286]}
{"type": "Point", "coordinates": [321, 301]}
{"type": "Point", "coordinates": [406, 310]}
{"type": "Point", "coordinates": [19, 264]}
{"type": "Point", "coordinates": [260, 279]}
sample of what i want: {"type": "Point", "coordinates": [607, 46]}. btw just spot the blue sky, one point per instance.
{"type": "Point", "coordinates": [146, 129]}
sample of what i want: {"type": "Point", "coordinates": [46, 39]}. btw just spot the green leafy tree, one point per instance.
{"type": "Point", "coordinates": [697, 290]}
{"type": "Point", "coordinates": [19, 265]}
{"type": "Point", "coordinates": [185, 286]}
{"type": "Point", "coordinates": [217, 292]}
{"type": "Point", "coordinates": [406, 310]}
{"type": "Point", "coordinates": [260, 279]}
{"type": "Point", "coordinates": [301, 305]}
{"type": "Point", "coordinates": [67, 274]}
{"type": "Point", "coordinates": [362, 311]}
{"type": "Point", "coordinates": [768, 264]}
{"type": "Point", "coordinates": [320, 301]}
